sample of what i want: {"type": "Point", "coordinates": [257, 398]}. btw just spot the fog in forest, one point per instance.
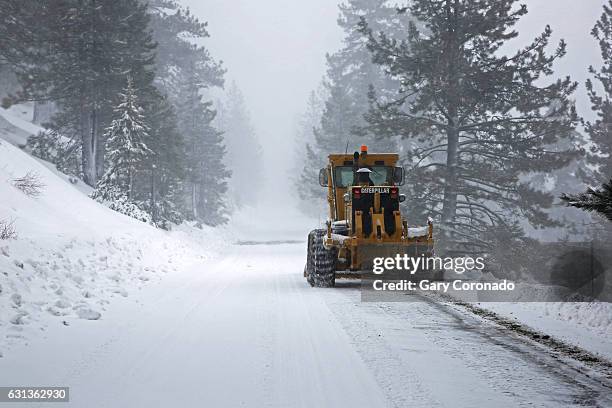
{"type": "Point", "coordinates": [275, 50]}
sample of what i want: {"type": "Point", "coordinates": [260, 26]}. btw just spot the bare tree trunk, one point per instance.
{"type": "Point", "coordinates": [36, 115]}
{"type": "Point", "coordinates": [99, 143]}
{"type": "Point", "coordinates": [449, 209]}
{"type": "Point", "coordinates": [87, 122]}
{"type": "Point", "coordinates": [130, 183]}
{"type": "Point", "coordinates": [194, 201]}
{"type": "Point", "coordinates": [88, 159]}
{"type": "Point", "coordinates": [97, 153]}
{"type": "Point", "coordinates": [153, 205]}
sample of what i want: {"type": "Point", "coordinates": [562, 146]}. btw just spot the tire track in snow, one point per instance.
{"type": "Point", "coordinates": [306, 358]}
{"type": "Point", "coordinates": [103, 358]}
{"type": "Point", "coordinates": [500, 367]}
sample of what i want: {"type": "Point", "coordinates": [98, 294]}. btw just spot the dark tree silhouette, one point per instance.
{"type": "Point", "coordinates": [593, 200]}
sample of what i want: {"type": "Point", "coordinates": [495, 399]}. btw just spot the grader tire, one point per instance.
{"type": "Point", "coordinates": [310, 260]}
{"type": "Point", "coordinates": [323, 261]}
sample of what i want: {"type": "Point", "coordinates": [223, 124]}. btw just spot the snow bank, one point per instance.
{"type": "Point", "coordinates": [72, 256]}
{"type": "Point", "coordinates": [14, 129]}
{"type": "Point", "coordinates": [585, 324]}
{"type": "Point", "coordinates": [20, 117]}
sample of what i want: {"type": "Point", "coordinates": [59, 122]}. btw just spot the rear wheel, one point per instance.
{"type": "Point", "coordinates": [321, 264]}
{"type": "Point", "coordinates": [310, 260]}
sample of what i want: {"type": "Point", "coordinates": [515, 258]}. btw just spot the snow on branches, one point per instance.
{"type": "Point", "coordinates": [126, 149]}
{"type": "Point", "coordinates": [593, 200]}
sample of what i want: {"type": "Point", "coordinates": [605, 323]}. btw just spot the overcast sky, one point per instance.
{"type": "Point", "coordinates": [275, 50]}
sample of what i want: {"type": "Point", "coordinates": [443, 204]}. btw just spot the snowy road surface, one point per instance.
{"type": "Point", "coordinates": [246, 330]}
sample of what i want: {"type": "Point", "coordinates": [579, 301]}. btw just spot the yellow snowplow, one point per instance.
{"type": "Point", "coordinates": [365, 221]}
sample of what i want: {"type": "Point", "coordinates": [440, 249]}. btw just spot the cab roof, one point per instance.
{"type": "Point", "coordinates": [371, 159]}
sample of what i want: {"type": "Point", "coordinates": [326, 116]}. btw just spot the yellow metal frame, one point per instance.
{"type": "Point", "coordinates": [349, 248]}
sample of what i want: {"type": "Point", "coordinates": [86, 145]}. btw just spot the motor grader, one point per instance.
{"type": "Point", "coordinates": [365, 221]}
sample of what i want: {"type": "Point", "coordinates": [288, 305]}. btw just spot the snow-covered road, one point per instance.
{"type": "Point", "coordinates": [245, 329]}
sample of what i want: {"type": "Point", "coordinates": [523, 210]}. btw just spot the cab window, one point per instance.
{"type": "Point", "coordinates": [380, 176]}
{"type": "Point", "coordinates": [343, 176]}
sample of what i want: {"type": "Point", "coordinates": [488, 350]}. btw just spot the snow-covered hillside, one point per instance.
{"type": "Point", "coordinates": [72, 256]}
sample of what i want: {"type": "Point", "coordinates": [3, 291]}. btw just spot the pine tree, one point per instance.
{"type": "Point", "coordinates": [476, 119]}
{"type": "Point", "coordinates": [350, 74]}
{"type": "Point", "coordinates": [126, 151]}
{"type": "Point", "coordinates": [600, 131]}
{"type": "Point", "coordinates": [22, 26]}
{"type": "Point", "coordinates": [305, 174]}
{"type": "Point", "coordinates": [162, 173]}
{"type": "Point", "coordinates": [308, 121]}
{"type": "Point", "coordinates": [352, 68]}
{"type": "Point", "coordinates": [244, 153]}
{"type": "Point", "coordinates": [205, 168]}
{"type": "Point", "coordinates": [53, 147]}
{"type": "Point", "coordinates": [212, 199]}
{"type": "Point", "coordinates": [555, 182]}
{"type": "Point", "coordinates": [185, 69]}
{"type": "Point", "coordinates": [84, 50]}
{"type": "Point", "coordinates": [594, 200]}
{"type": "Point", "coordinates": [179, 35]}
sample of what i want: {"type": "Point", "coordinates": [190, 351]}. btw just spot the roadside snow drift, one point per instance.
{"type": "Point", "coordinates": [71, 255]}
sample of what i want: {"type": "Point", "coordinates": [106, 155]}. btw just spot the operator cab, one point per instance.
{"type": "Point", "coordinates": [366, 183]}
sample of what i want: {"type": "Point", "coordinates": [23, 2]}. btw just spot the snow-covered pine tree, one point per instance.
{"type": "Point", "coordinates": [600, 130]}
{"type": "Point", "coordinates": [126, 151]}
{"type": "Point", "coordinates": [244, 153]}
{"type": "Point", "coordinates": [53, 147]}
{"type": "Point", "coordinates": [481, 117]}
{"type": "Point", "coordinates": [594, 200]}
